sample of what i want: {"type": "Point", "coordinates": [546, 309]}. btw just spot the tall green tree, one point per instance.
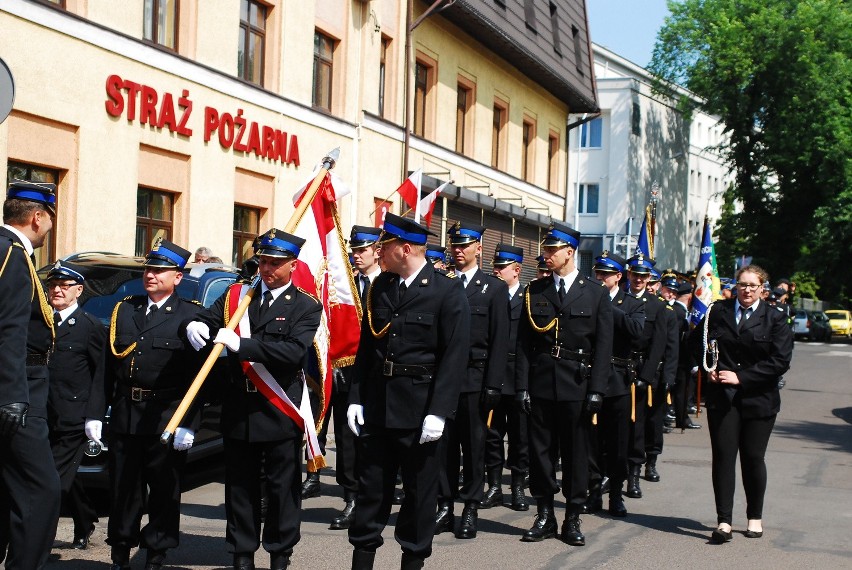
{"type": "Point", "coordinates": [779, 75]}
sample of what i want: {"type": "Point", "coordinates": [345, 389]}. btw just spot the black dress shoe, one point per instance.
{"type": "Point", "coordinates": [344, 519]}
{"type": "Point", "coordinates": [120, 556]}
{"type": "Point", "coordinates": [616, 505]}
{"type": "Point", "coordinates": [311, 486]}
{"type": "Point", "coordinates": [279, 561]}
{"type": "Point", "coordinates": [651, 473]}
{"type": "Point", "coordinates": [753, 533]}
{"type": "Point", "coordinates": [493, 498]}
{"type": "Point", "coordinates": [544, 527]}
{"type": "Point", "coordinates": [411, 562]}
{"type": "Point", "coordinates": [519, 500]}
{"type": "Point", "coordinates": [444, 520]}
{"type": "Point", "coordinates": [571, 531]}
{"type": "Point", "coordinates": [690, 425]}
{"type": "Point", "coordinates": [720, 536]}
{"type": "Point", "coordinates": [244, 561]}
{"type": "Point", "coordinates": [469, 521]}
{"type": "Point", "coordinates": [81, 542]}
{"type": "Point", "coordinates": [594, 503]}
{"type": "Point", "coordinates": [398, 496]}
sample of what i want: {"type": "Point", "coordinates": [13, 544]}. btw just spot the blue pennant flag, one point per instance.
{"type": "Point", "coordinates": [707, 284]}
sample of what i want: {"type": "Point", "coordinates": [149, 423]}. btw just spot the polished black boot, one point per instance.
{"type": "Point", "coordinates": [411, 562]}
{"type": "Point", "coordinates": [571, 531]}
{"type": "Point", "coordinates": [154, 559]}
{"type": "Point", "coordinates": [633, 489]}
{"type": "Point", "coordinates": [494, 494]}
{"type": "Point", "coordinates": [651, 469]}
{"type": "Point", "coordinates": [120, 556]}
{"type": "Point", "coordinates": [595, 501]}
{"type": "Point", "coordinates": [344, 519]}
{"type": "Point", "coordinates": [81, 541]}
{"type": "Point", "coordinates": [445, 520]}
{"type": "Point", "coordinates": [363, 560]}
{"type": "Point", "coordinates": [311, 486]}
{"type": "Point", "coordinates": [469, 519]}
{"type": "Point", "coordinates": [616, 504]}
{"type": "Point", "coordinates": [545, 523]}
{"type": "Point", "coordinates": [279, 561]}
{"type": "Point", "coordinates": [519, 500]}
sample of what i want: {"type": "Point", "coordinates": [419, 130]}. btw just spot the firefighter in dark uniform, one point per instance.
{"type": "Point", "coordinates": [414, 341]}
{"type": "Point", "coordinates": [437, 256]}
{"type": "Point", "coordinates": [648, 353]}
{"type": "Point", "coordinates": [362, 240]}
{"type": "Point", "coordinates": [541, 268]}
{"type": "Point", "coordinates": [29, 484]}
{"type": "Point", "coordinates": [76, 368]}
{"type": "Point", "coordinates": [480, 385]}
{"type": "Point", "coordinates": [148, 371]}
{"type": "Point", "coordinates": [276, 334]}
{"type": "Point", "coordinates": [675, 294]}
{"type": "Point", "coordinates": [507, 419]}
{"type": "Point", "coordinates": [610, 438]}
{"type": "Point", "coordinates": [562, 369]}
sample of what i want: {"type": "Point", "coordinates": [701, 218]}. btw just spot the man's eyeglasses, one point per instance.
{"type": "Point", "coordinates": [748, 286]}
{"type": "Point", "coordinates": [62, 286]}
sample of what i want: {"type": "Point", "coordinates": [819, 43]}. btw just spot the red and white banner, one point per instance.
{"type": "Point", "coordinates": [324, 271]}
{"type": "Point", "coordinates": [427, 204]}
{"type": "Point", "coordinates": [410, 191]}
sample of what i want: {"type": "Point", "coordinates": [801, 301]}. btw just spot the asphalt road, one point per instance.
{"type": "Point", "coordinates": [807, 516]}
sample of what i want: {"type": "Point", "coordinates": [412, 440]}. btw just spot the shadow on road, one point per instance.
{"type": "Point", "coordinates": [671, 525]}
{"type": "Point", "coordinates": [835, 436]}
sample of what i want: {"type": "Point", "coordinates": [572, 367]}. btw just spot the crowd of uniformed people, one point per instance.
{"type": "Point", "coordinates": [568, 383]}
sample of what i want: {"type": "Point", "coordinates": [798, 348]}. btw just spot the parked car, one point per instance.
{"type": "Point", "coordinates": [110, 278]}
{"type": "Point", "coordinates": [841, 322]}
{"type": "Point", "coordinates": [811, 325]}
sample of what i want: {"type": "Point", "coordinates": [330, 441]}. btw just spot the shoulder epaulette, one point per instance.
{"type": "Point", "coordinates": [126, 298]}
{"type": "Point", "coordinates": [314, 297]}
{"type": "Point", "coordinates": [669, 307]}
{"type": "Point", "coordinates": [195, 302]}
{"type": "Point", "coordinates": [449, 274]}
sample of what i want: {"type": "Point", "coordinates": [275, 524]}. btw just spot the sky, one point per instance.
{"type": "Point", "coordinates": [627, 27]}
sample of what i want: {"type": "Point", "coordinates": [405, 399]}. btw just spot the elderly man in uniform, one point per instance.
{"type": "Point", "coordinates": [148, 371]}
{"type": "Point", "coordinates": [610, 438]}
{"type": "Point", "coordinates": [561, 373]}
{"type": "Point", "coordinates": [414, 340]}
{"type": "Point", "coordinates": [76, 369]}
{"type": "Point", "coordinates": [265, 359]}
{"type": "Point", "coordinates": [480, 385]}
{"type": "Point", "coordinates": [507, 418]}
{"type": "Point", "coordinates": [29, 484]}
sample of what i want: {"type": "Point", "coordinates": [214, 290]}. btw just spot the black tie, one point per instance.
{"type": "Point", "coordinates": [744, 314]}
{"type": "Point", "coordinates": [365, 285]}
{"type": "Point", "coordinates": [402, 288]}
{"type": "Point", "coordinates": [464, 280]}
{"type": "Point", "coordinates": [57, 318]}
{"type": "Point", "coordinates": [561, 289]}
{"type": "Point", "coordinates": [267, 301]}
{"type": "Point", "coordinates": [151, 312]}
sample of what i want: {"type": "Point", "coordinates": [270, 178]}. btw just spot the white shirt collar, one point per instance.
{"type": "Point", "coordinates": [469, 273]}
{"type": "Point", "coordinates": [568, 279]}
{"type": "Point", "coordinates": [414, 275]}
{"type": "Point", "coordinates": [753, 307]}
{"type": "Point", "coordinates": [25, 241]}
{"type": "Point", "coordinates": [514, 289]}
{"type": "Point", "coordinates": [159, 304]}
{"type": "Point", "coordinates": [66, 312]}
{"type": "Point", "coordinates": [372, 276]}
{"type": "Point", "coordinates": [275, 292]}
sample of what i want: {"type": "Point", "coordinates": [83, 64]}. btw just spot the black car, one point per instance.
{"type": "Point", "coordinates": [110, 278]}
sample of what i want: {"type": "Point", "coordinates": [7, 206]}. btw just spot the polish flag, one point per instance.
{"type": "Point", "coordinates": [410, 191]}
{"type": "Point", "coordinates": [323, 271]}
{"type": "Point", "coordinates": [427, 204]}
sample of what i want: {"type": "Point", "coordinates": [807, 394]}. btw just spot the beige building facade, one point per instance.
{"type": "Point", "coordinates": [198, 120]}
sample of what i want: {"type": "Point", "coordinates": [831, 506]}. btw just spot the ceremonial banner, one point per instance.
{"type": "Point", "coordinates": [645, 243]}
{"type": "Point", "coordinates": [410, 191]}
{"type": "Point", "coordinates": [324, 271]}
{"type": "Point", "coordinates": [707, 285]}
{"type": "Point", "coordinates": [427, 205]}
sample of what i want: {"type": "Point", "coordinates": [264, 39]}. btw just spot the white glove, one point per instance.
{"type": "Point", "coordinates": [183, 439]}
{"type": "Point", "coordinates": [229, 338]}
{"type": "Point", "coordinates": [355, 418]}
{"type": "Point", "coordinates": [198, 333]}
{"type": "Point", "coordinates": [94, 429]}
{"type": "Point", "coordinates": [433, 427]}
{"type": "Point", "coordinates": [694, 370]}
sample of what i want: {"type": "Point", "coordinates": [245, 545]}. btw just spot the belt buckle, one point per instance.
{"type": "Point", "coordinates": [136, 394]}
{"type": "Point", "coordinates": [250, 387]}
{"type": "Point", "coordinates": [387, 368]}
{"type": "Point", "coordinates": [556, 351]}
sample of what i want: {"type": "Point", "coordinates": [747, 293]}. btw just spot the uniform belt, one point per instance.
{"type": "Point", "coordinates": [511, 356]}
{"type": "Point", "coordinates": [396, 369]}
{"type": "Point", "coordinates": [474, 362]}
{"type": "Point", "coordinates": [561, 353]}
{"type": "Point", "coordinates": [142, 395]}
{"type": "Point", "coordinates": [36, 359]}
{"type": "Point", "coordinates": [623, 362]}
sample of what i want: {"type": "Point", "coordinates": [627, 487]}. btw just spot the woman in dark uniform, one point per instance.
{"type": "Point", "coordinates": [755, 346]}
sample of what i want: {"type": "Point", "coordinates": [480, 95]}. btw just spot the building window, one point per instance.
{"type": "Point", "coordinates": [585, 262]}
{"type": "Point", "coordinates": [529, 15]}
{"type": "Point", "coordinates": [160, 22]}
{"type": "Point", "coordinates": [636, 119]}
{"type": "Point", "coordinates": [252, 41]}
{"type": "Point", "coordinates": [590, 133]}
{"type": "Point", "coordinates": [464, 114]}
{"type": "Point", "coordinates": [383, 69]}
{"type": "Point", "coordinates": [323, 70]}
{"type": "Point", "coordinates": [587, 201]}
{"type": "Point", "coordinates": [246, 228]}
{"type": "Point", "coordinates": [153, 218]}
{"type": "Point", "coordinates": [498, 135]}
{"type": "Point", "coordinates": [22, 171]}
{"type": "Point", "coordinates": [60, 3]}
{"type": "Point", "coordinates": [554, 26]}
{"type": "Point", "coordinates": [423, 79]}
{"type": "Point", "coordinates": [552, 161]}
{"type": "Point", "coordinates": [578, 51]}
{"type": "Point", "coordinates": [528, 150]}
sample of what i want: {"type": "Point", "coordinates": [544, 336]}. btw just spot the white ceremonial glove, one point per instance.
{"type": "Point", "coordinates": [355, 418]}
{"type": "Point", "coordinates": [229, 338]}
{"type": "Point", "coordinates": [694, 370]}
{"type": "Point", "coordinates": [183, 439]}
{"type": "Point", "coordinates": [433, 428]}
{"type": "Point", "coordinates": [94, 429]}
{"type": "Point", "coordinates": [198, 333]}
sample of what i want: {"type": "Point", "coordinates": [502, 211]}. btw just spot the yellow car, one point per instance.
{"type": "Point", "coordinates": [841, 322]}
